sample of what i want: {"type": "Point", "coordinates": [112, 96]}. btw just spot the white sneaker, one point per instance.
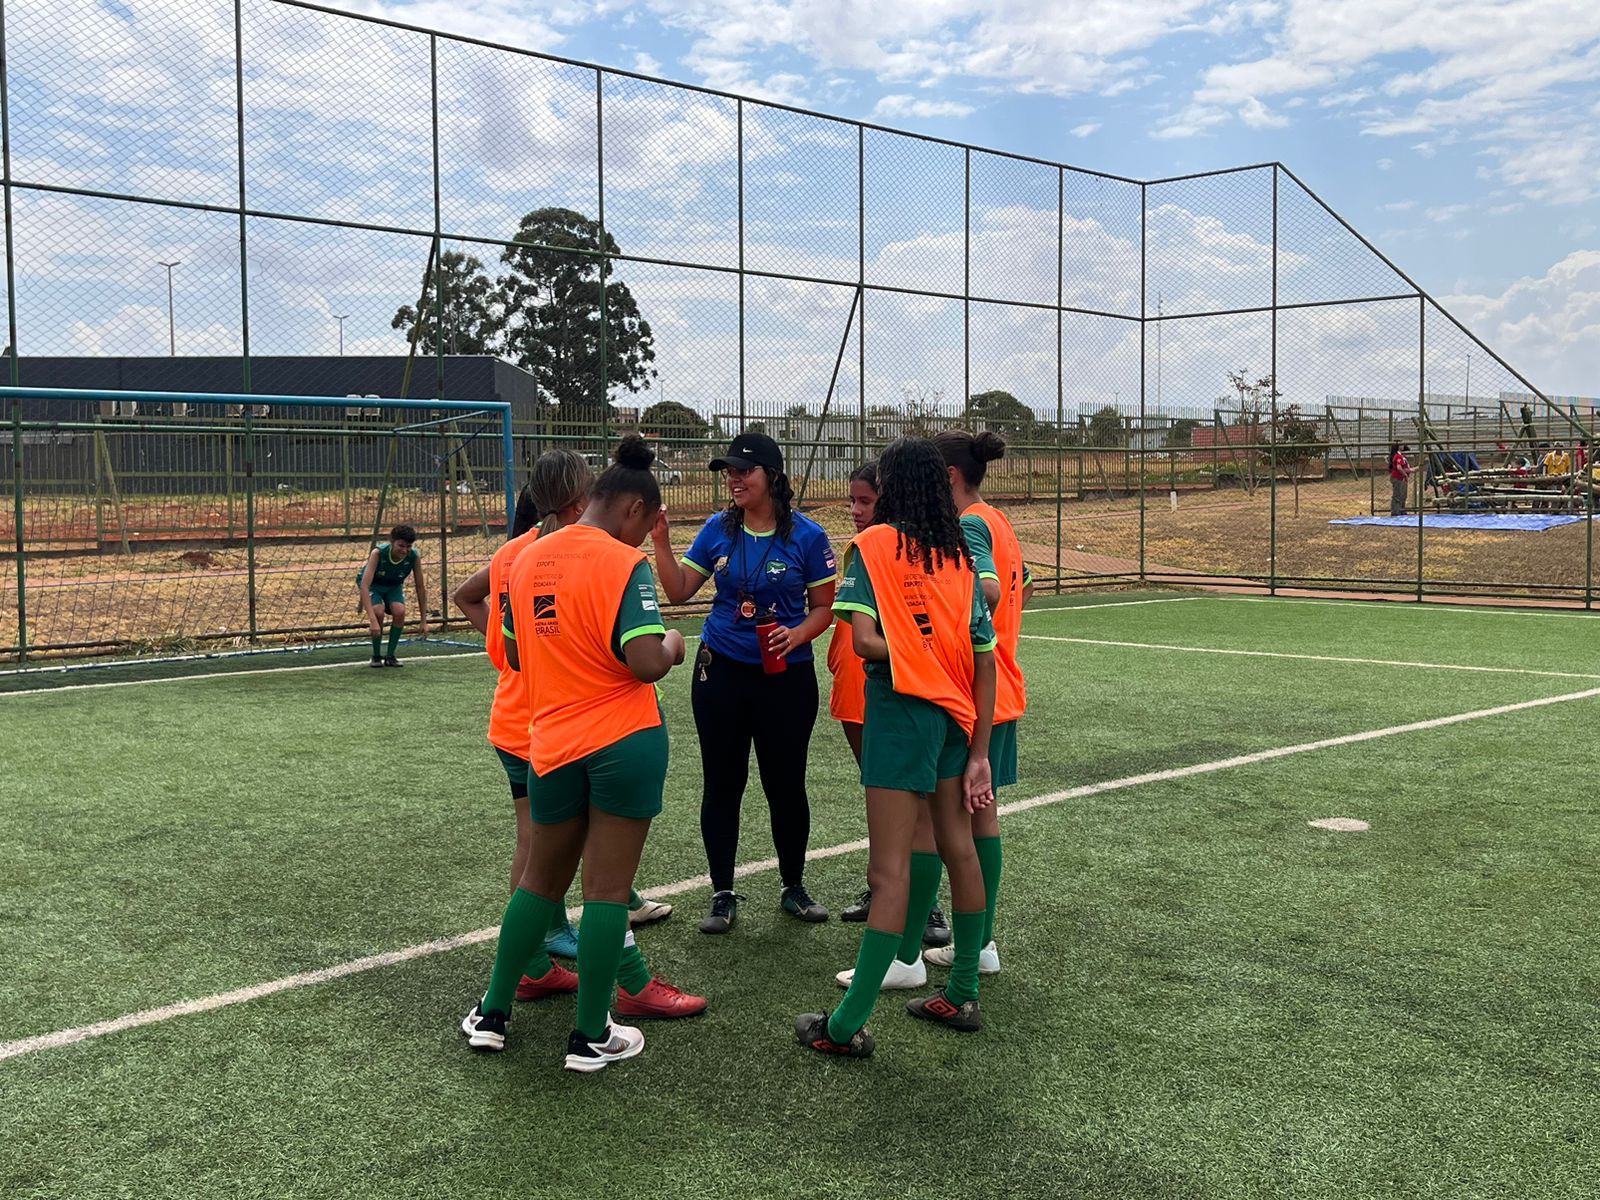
{"type": "Point", "coordinates": [583, 1055]}
{"type": "Point", "coordinates": [485, 1031]}
{"type": "Point", "coordinates": [649, 911]}
{"type": "Point", "coordinates": [899, 975]}
{"type": "Point", "coordinates": [945, 956]}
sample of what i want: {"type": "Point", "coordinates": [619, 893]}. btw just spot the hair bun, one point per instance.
{"type": "Point", "coordinates": [632, 451]}
{"type": "Point", "coordinates": [988, 446]}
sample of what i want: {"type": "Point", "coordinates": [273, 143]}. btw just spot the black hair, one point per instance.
{"type": "Point", "coordinates": [526, 515]}
{"type": "Point", "coordinates": [866, 473]}
{"type": "Point", "coordinates": [914, 495]}
{"type": "Point", "coordinates": [403, 533]}
{"type": "Point", "coordinates": [629, 473]}
{"type": "Point", "coordinates": [782, 493]}
{"type": "Point", "coordinates": [970, 453]}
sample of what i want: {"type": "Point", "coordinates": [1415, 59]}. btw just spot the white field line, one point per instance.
{"type": "Point", "coordinates": [1028, 612]}
{"type": "Point", "coordinates": [1410, 605]}
{"type": "Point", "coordinates": [1328, 658]}
{"type": "Point", "coordinates": [151, 1016]}
{"type": "Point", "coordinates": [122, 683]}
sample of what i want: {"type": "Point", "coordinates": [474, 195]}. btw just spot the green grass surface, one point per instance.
{"type": "Point", "coordinates": [1202, 996]}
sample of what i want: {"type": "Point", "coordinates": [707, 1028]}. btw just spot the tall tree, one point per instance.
{"type": "Point", "coordinates": [1005, 414]}
{"type": "Point", "coordinates": [471, 307]}
{"type": "Point", "coordinates": [1107, 427]}
{"type": "Point", "coordinates": [552, 300]}
{"type": "Point", "coordinates": [673, 420]}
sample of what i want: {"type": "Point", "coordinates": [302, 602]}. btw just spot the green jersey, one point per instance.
{"type": "Point", "coordinates": [389, 572]}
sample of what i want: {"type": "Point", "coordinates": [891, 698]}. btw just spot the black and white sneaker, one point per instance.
{"type": "Point", "coordinates": [797, 902]}
{"type": "Point", "coordinates": [724, 913]}
{"type": "Point", "coordinates": [617, 1043]}
{"type": "Point", "coordinates": [860, 910]}
{"type": "Point", "coordinates": [937, 930]}
{"type": "Point", "coordinates": [392, 661]}
{"type": "Point", "coordinates": [376, 661]}
{"type": "Point", "coordinates": [485, 1030]}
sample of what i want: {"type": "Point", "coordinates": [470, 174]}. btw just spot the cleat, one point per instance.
{"type": "Point", "coordinates": [376, 661]}
{"type": "Point", "coordinates": [557, 981]}
{"type": "Point", "coordinates": [963, 1018]}
{"type": "Point", "coordinates": [900, 976]}
{"type": "Point", "coordinates": [811, 1030]}
{"type": "Point", "coordinates": [562, 942]}
{"type": "Point", "coordinates": [860, 910]}
{"type": "Point", "coordinates": [659, 1000]}
{"type": "Point", "coordinates": [648, 912]}
{"type": "Point", "coordinates": [485, 1030]}
{"type": "Point", "coordinates": [945, 956]}
{"type": "Point", "coordinates": [617, 1043]}
{"type": "Point", "coordinates": [937, 931]}
{"type": "Point", "coordinates": [797, 902]}
{"type": "Point", "coordinates": [392, 661]}
{"type": "Point", "coordinates": [724, 913]}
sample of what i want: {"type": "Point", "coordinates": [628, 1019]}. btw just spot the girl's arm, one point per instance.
{"type": "Point", "coordinates": [991, 592]}
{"type": "Point", "coordinates": [977, 785]}
{"type": "Point", "coordinates": [820, 601]}
{"type": "Point", "coordinates": [422, 600]}
{"type": "Point", "coordinates": [472, 598]}
{"type": "Point", "coordinates": [869, 643]}
{"type": "Point", "coordinates": [651, 655]}
{"type": "Point", "coordinates": [367, 573]}
{"type": "Point", "coordinates": [678, 582]}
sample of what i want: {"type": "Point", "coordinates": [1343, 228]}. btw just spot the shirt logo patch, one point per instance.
{"type": "Point", "coordinates": [545, 622]}
{"type": "Point", "coordinates": [777, 568]}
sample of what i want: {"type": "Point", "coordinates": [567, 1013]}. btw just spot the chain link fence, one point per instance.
{"type": "Point", "coordinates": [1199, 377]}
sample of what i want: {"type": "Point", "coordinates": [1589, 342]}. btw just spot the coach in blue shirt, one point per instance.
{"type": "Point", "coordinates": [762, 558]}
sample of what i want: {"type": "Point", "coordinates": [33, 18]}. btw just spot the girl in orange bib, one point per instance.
{"type": "Point", "coordinates": [919, 622]}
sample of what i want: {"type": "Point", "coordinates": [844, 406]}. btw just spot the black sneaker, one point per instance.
{"type": "Point", "coordinates": [811, 1030]}
{"type": "Point", "coordinates": [797, 902]}
{"type": "Point", "coordinates": [485, 1030]}
{"type": "Point", "coordinates": [376, 661]}
{"type": "Point", "coordinates": [392, 661]}
{"type": "Point", "coordinates": [963, 1018]}
{"type": "Point", "coordinates": [937, 930]}
{"type": "Point", "coordinates": [724, 913]}
{"type": "Point", "coordinates": [617, 1043]}
{"type": "Point", "coordinates": [860, 910]}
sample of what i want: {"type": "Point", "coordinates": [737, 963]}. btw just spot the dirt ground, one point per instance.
{"type": "Point", "coordinates": [185, 582]}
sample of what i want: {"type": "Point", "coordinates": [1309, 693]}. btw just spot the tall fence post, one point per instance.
{"type": "Point", "coordinates": [1422, 419]}
{"type": "Point", "coordinates": [966, 287]}
{"type": "Point", "coordinates": [1061, 397]}
{"type": "Point", "coordinates": [861, 294]}
{"type": "Point", "coordinates": [250, 515]}
{"type": "Point", "coordinates": [1272, 401]}
{"type": "Point", "coordinates": [1144, 324]}
{"type": "Point", "coordinates": [17, 516]}
{"type": "Point", "coordinates": [739, 112]}
{"type": "Point", "coordinates": [446, 474]}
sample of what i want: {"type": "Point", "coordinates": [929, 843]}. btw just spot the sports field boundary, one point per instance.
{"type": "Point", "coordinates": [185, 1008]}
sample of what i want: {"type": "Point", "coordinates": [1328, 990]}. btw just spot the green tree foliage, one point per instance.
{"type": "Point", "coordinates": [1107, 428]}
{"type": "Point", "coordinates": [544, 313]}
{"type": "Point", "coordinates": [1004, 414]}
{"type": "Point", "coordinates": [673, 420]}
{"type": "Point", "coordinates": [1183, 432]}
{"type": "Point", "coordinates": [1296, 442]}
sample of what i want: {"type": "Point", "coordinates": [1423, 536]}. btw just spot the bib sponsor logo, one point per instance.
{"type": "Point", "coordinates": [545, 621]}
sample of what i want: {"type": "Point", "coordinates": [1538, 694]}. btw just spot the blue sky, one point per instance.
{"type": "Point", "coordinates": [1459, 136]}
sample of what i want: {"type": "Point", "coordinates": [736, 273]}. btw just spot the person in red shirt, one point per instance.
{"type": "Point", "coordinates": [1399, 478]}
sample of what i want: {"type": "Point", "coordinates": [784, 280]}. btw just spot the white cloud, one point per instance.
{"type": "Point", "coordinates": [646, 65]}
{"type": "Point", "coordinates": [1546, 326]}
{"type": "Point", "coordinates": [1084, 130]}
{"type": "Point", "coordinates": [910, 106]}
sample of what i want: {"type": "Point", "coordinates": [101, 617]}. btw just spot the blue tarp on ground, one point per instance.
{"type": "Point", "coordinates": [1529, 522]}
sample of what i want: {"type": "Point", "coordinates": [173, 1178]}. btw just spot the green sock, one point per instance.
{"type": "Point", "coordinates": [394, 638]}
{"type": "Point", "coordinates": [923, 895]}
{"type": "Point", "coordinates": [968, 930]}
{"type": "Point", "coordinates": [377, 646]}
{"type": "Point", "coordinates": [600, 937]}
{"type": "Point", "coordinates": [633, 976]}
{"type": "Point", "coordinates": [989, 860]}
{"type": "Point", "coordinates": [872, 964]}
{"type": "Point", "coordinates": [634, 900]}
{"type": "Point", "coordinates": [558, 919]}
{"type": "Point", "coordinates": [521, 948]}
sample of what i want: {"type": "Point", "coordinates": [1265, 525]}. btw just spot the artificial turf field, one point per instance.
{"type": "Point", "coordinates": [1201, 995]}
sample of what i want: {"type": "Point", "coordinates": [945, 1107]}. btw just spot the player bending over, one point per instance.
{"type": "Point", "coordinates": [382, 584]}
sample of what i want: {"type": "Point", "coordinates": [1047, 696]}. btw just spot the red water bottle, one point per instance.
{"type": "Point", "coordinates": [771, 661]}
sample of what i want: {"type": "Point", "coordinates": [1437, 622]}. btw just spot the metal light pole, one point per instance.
{"type": "Point", "coordinates": [172, 329]}
{"type": "Point", "coordinates": [341, 318]}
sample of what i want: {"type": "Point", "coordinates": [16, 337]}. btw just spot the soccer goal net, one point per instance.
{"type": "Point", "coordinates": [174, 523]}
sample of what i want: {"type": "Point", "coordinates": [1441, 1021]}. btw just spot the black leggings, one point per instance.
{"type": "Point", "coordinates": [735, 705]}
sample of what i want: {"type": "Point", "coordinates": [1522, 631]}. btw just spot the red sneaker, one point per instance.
{"type": "Point", "coordinates": [556, 981]}
{"type": "Point", "coordinates": [659, 999]}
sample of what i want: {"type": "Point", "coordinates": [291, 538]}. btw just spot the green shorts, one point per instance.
{"type": "Point", "coordinates": [1003, 754]}
{"type": "Point", "coordinates": [517, 772]}
{"type": "Point", "coordinates": [908, 743]}
{"type": "Point", "coordinates": [383, 595]}
{"type": "Point", "coordinates": [624, 779]}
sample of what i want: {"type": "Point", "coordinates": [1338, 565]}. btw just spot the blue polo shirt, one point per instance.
{"type": "Point", "coordinates": [773, 572]}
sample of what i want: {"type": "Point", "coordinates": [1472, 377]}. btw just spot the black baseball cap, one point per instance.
{"type": "Point", "coordinates": [750, 450]}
